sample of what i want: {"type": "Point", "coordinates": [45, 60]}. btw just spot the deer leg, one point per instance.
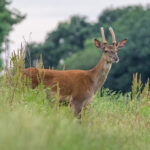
{"type": "Point", "coordinates": [77, 108]}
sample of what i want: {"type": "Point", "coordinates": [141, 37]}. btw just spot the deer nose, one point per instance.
{"type": "Point", "coordinates": [116, 58]}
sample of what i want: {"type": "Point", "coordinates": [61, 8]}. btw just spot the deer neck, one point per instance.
{"type": "Point", "coordinates": [100, 72]}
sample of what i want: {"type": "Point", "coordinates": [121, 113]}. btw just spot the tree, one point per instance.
{"type": "Point", "coordinates": [134, 57]}
{"type": "Point", "coordinates": [132, 23]}
{"type": "Point", "coordinates": [7, 19]}
{"type": "Point", "coordinates": [68, 38]}
{"type": "Point", "coordinates": [84, 59]}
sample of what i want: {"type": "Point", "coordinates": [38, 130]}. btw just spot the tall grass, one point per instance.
{"type": "Point", "coordinates": [113, 121]}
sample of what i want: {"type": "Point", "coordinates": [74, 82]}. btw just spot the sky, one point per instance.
{"type": "Point", "coordinates": [43, 16]}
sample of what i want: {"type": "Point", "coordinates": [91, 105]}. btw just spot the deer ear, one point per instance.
{"type": "Point", "coordinates": [97, 43]}
{"type": "Point", "coordinates": [121, 43]}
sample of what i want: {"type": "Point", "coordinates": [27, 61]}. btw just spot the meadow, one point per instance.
{"type": "Point", "coordinates": [113, 121]}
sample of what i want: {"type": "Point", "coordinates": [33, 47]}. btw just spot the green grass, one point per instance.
{"type": "Point", "coordinates": [113, 121]}
{"type": "Point", "coordinates": [110, 122]}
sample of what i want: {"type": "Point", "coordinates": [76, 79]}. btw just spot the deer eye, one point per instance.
{"type": "Point", "coordinates": [111, 52]}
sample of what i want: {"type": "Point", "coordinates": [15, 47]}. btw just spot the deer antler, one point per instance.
{"type": "Point", "coordinates": [113, 35]}
{"type": "Point", "coordinates": [103, 35]}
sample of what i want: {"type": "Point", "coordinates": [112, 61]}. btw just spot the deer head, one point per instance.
{"type": "Point", "coordinates": [110, 51]}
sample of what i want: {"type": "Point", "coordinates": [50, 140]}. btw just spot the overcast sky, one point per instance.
{"type": "Point", "coordinates": [44, 15]}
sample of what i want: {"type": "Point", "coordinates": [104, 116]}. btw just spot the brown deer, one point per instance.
{"type": "Point", "coordinates": [79, 85]}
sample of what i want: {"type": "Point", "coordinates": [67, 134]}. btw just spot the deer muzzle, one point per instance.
{"type": "Point", "coordinates": [116, 59]}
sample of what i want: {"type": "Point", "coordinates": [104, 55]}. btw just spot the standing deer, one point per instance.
{"type": "Point", "coordinates": [79, 85]}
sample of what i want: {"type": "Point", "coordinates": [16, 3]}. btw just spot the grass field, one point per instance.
{"type": "Point", "coordinates": [113, 121]}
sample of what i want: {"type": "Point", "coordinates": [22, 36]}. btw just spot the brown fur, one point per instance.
{"type": "Point", "coordinates": [79, 85]}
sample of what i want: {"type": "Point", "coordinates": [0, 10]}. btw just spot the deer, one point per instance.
{"type": "Point", "coordinates": [79, 85]}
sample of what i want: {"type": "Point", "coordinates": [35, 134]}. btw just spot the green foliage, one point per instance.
{"type": "Point", "coordinates": [84, 59]}
{"type": "Point", "coordinates": [67, 39]}
{"type": "Point", "coordinates": [145, 92]}
{"type": "Point", "coordinates": [109, 122]}
{"type": "Point", "coordinates": [105, 125]}
{"type": "Point", "coordinates": [0, 63]}
{"type": "Point", "coordinates": [134, 57]}
{"type": "Point", "coordinates": [136, 87]}
{"type": "Point", "coordinates": [32, 55]}
{"type": "Point", "coordinates": [139, 92]}
{"type": "Point", "coordinates": [110, 16]}
{"type": "Point", "coordinates": [8, 18]}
